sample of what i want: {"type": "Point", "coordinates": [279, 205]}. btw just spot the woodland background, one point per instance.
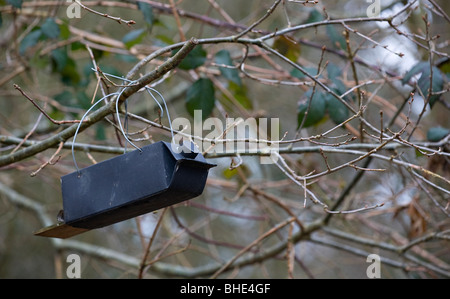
{"type": "Point", "coordinates": [363, 103]}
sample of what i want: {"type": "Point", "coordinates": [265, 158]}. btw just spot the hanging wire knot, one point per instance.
{"type": "Point", "coordinates": [149, 90]}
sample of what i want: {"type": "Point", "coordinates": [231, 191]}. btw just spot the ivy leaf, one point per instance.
{"type": "Point", "coordinates": [65, 98]}
{"type": "Point", "coordinates": [200, 96]}
{"type": "Point", "coordinates": [337, 111]}
{"type": "Point", "coordinates": [240, 93]}
{"type": "Point", "coordinates": [100, 132]}
{"type": "Point", "coordinates": [333, 71]}
{"type": "Point", "coordinates": [194, 59]}
{"type": "Point", "coordinates": [65, 66]}
{"type": "Point", "coordinates": [287, 47]}
{"type": "Point", "coordinates": [298, 74]}
{"type": "Point", "coordinates": [336, 38]}
{"type": "Point", "coordinates": [70, 75]}
{"type": "Point", "coordinates": [59, 58]}
{"type": "Point", "coordinates": [30, 40]}
{"type": "Point", "coordinates": [65, 31]}
{"type": "Point", "coordinates": [50, 28]}
{"type": "Point", "coordinates": [223, 57]}
{"type": "Point", "coordinates": [83, 100]}
{"type": "Point", "coordinates": [416, 69]}
{"type": "Point", "coordinates": [314, 16]}
{"type": "Point", "coordinates": [147, 11]}
{"type": "Point", "coordinates": [437, 84]}
{"type": "Point", "coordinates": [15, 3]}
{"type": "Point", "coordinates": [133, 37]}
{"type": "Point", "coordinates": [444, 65]}
{"type": "Point", "coordinates": [316, 111]}
{"type": "Point", "coordinates": [436, 134]}
{"type": "Point", "coordinates": [423, 82]}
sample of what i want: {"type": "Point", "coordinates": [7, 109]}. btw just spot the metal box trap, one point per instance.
{"type": "Point", "coordinates": [127, 186]}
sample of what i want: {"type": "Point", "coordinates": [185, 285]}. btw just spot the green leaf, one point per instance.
{"type": "Point", "coordinates": [127, 58]}
{"type": "Point", "coordinates": [83, 100]}
{"type": "Point", "coordinates": [70, 75]}
{"type": "Point", "coordinates": [333, 71]}
{"type": "Point", "coordinates": [147, 11]}
{"type": "Point", "coordinates": [65, 31]}
{"type": "Point", "coordinates": [423, 82]}
{"type": "Point", "coordinates": [437, 84]}
{"type": "Point", "coordinates": [444, 65]}
{"type": "Point", "coordinates": [194, 59]}
{"type": "Point", "coordinates": [223, 57]}
{"type": "Point", "coordinates": [337, 111]}
{"type": "Point", "coordinates": [30, 40]}
{"type": "Point", "coordinates": [65, 98]}
{"type": "Point", "coordinates": [200, 96]}
{"type": "Point", "coordinates": [56, 114]}
{"type": "Point", "coordinates": [65, 66]}
{"type": "Point", "coordinates": [77, 46]}
{"type": "Point", "coordinates": [134, 37]}
{"type": "Point", "coordinates": [436, 134]}
{"type": "Point", "coordinates": [314, 16]}
{"type": "Point", "coordinates": [416, 69]}
{"type": "Point", "coordinates": [240, 93]}
{"type": "Point", "coordinates": [110, 69]}
{"type": "Point", "coordinates": [298, 74]}
{"type": "Point", "coordinates": [230, 173]}
{"type": "Point", "coordinates": [336, 38]}
{"type": "Point", "coordinates": [59, 58]}
{"type": "Point", "coordinates": [50, 28]}
{"type": "Point", "coordinates": [15, 3]}
{"type": "Point", "coordinates": [100, 133]}
{"type": "Point", "coordinates": [287, 47]}
{"type": "Point", "coordinates": [40, 61]}
{"type": "Point", "coordinates": [316, 111]}
{"type": "Point", "coordinates": [164, 39]}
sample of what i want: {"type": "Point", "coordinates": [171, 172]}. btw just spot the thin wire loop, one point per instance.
{"type": "Point", "coordinates": [79, 125]}
{"type": "Point", "coordinates": [119, 94]}
{"type": "Point", "coordinates": [165, 105]}
{"type": "Point", "coordinates": [148, 89]}
{"type": "Point", "coordinates": [130, 81]}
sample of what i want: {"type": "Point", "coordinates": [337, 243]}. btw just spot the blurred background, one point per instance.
{"type": "Point", "coordinates": [48, 50]}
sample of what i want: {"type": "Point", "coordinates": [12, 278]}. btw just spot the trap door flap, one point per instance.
{"type": "Point", "coordinates": [60, 230]}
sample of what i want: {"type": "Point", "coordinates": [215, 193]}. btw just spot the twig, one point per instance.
{"type": "Point", "coordinates": [50, 161]}
{"type": "Point", "coordinates": [305, 116]}
{"type": "Point", "coordinates": [290, 253]}
{"type": "Point", "coordinates": [117, 19]}
{"type": "Point", "coordinates": [355, 77]}
{"type": "Point", "coordinates": [107, 109]}
{"type": "Point", "coordinates": [430, 88]}
{"type": "Point", "coordinates": [444, 15]}
{"type": "Point", "coordinates": [57, 122]}
{"type": "Point", "coordinates": [249, 246]}
{"type": "Point", "coordinates": [29, 133]}
{"type": "Point", "coordinates": [259, 21]}
{"type": "Point", "coordinates": [177, 20]}
{"type": "Point", "coordinates": [304, 1]}
{"type": "Point", "coordinates": [366, 169]}
{"type": "Point", "coordinates": [325, 159]}
{"type": "Point", "coordinates": [149, 244]}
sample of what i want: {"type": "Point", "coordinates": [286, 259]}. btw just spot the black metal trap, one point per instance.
{"type": "Point", "coordinates": [129, 185]}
